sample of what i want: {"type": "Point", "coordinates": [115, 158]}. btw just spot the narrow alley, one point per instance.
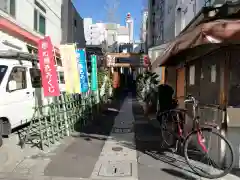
{"type": "Point", "coordinates": [121, 145]}
{"type": "Point", "coordinates": [94, 89]}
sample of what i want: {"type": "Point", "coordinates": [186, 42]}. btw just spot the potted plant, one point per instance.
{"type": "Point", "coordinates": [147, 84]}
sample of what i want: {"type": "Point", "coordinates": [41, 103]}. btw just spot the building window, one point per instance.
{"type": "Point", "coordinates": [8, 6]}
{"type": "Point", "coordinates": [36, 78]}
{"type": "Point", "coordinates": [192, 75]}
{"type": "Point", "coordinates": [58, 62]}
{"type": "Point", "coordinates": [61, 79]}
{"type": "Point", "coordinates": [75, 23]}
{"type": "Point", "coordinates": [213, 73]}
{"type": "Point", "coordinates": [17, 79]}
{"type": "Point", "coordinates": [39, 18]}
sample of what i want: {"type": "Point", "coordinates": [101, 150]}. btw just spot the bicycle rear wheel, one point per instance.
{"type": "Point", "coordinates": [168, 122]}
{"type": "Point", "coordinates": [200, 156]}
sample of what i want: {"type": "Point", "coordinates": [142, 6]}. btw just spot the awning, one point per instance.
{"type": "Point", "coordinates": [219, 31]}
{"type": "Point", "coordinates": [20, 33]}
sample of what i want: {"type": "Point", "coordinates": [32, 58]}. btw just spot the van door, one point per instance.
{"type": "Point", "coordinates": [36, 86]}
{"type": "Point", "coordinates": [19, 103]}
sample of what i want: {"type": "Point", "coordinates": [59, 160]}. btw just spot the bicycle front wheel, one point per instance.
{"type": "Point", "coordinates": [208, 153]}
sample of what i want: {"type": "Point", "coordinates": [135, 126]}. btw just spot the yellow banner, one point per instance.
{"type": "Point", "coordinates": [71, 73]}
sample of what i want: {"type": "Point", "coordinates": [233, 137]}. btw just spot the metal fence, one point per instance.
{"type": "Point", "coordinates": [58, 119]}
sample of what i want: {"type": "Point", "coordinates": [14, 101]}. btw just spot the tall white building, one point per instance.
{"type": "Point", "coordinates": [122, 35]}
{"type": "Point", "coordinates": [130, 26]}
{"type": "Point", "coordinates": [110, 33]}
{"type": "Point", "coordinates": [23, 22]}
{"type": "Point", "coordinates": [95, 34]}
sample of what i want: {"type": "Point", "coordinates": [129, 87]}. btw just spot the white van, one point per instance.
{"type": "Point", "coordinates": [20, 89]}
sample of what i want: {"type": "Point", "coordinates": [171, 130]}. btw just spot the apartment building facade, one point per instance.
{"type": "Point", "coordinates": [166, 19]}
{"type": "Point", "coordinates": [143, 32]}
{"type": "Point", "coordinates": [23, 22]}
{"type": "Point", "coordinates": [72, 25]}
{"type": "Point", "coordinates": [155, 22]}
{"type": "Point", "coordinates": [123, 35]}
{"type": "Point", "coordinates": [95, 33]}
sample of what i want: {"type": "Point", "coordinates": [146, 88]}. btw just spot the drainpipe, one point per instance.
{"type": "Point", "coordinates": [195, 7]}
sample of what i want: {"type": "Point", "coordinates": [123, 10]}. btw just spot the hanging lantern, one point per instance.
{"type": "Point", "coordinates": [146, 61]}
{"type": "Point", "coordinates": [116, 80]}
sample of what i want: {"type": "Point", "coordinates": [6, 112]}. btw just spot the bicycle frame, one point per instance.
{"type": "Point", "coordinates": [196, 119]}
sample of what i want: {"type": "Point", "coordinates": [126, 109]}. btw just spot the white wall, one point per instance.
{"type": "Point", "coordinates": [95, 34]}
{"type": "Point", "coordinates": [136, 47]}
{"type": "Point", "coordinates": [122, 39]}
{"type": "Point", "coordinates": [87, 31]}
{"type": "Point", "coordinates": [12, 40]}
{"type": "Point", "coordinates": [25, 17]}
{"type": "Point", "coordinates": [187, 11]}
{"type": "Point", "coordinates": [130, 25]}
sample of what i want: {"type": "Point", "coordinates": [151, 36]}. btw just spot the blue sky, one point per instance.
{"type": "Point", "coordinates": [95, 9]}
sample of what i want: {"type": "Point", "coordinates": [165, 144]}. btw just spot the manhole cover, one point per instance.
{"type": "Point", "coordinates": [116, 169]}
{"type": "Point", "coordinates": [122, 130]}
{"type": "Point", "coordinates": [117, 148]}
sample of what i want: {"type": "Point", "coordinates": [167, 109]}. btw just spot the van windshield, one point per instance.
{"type": "Point", "coordinates": [3, 70]}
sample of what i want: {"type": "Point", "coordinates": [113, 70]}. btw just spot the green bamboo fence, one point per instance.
{"type": "Point", "coordinates": [58, 119]}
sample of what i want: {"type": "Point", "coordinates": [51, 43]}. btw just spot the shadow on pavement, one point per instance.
{"type": "Point", "coordinates": [102, 123]}
{"type": "Point", "coordinates": [78, 158]}
{"type": "Point", "coordinates": [148, 142]}
{"type": "Point", "coordinates": [147, 138]}
{"type": "Point", "coordinates": [236, 172]}
{"type": "Point", "coordinates": [178, 174]}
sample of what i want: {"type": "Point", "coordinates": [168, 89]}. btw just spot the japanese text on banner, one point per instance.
{"type": "Point", "coordinates": [94, 78]}
{"type": "Point", "coordinates": [71, 75]}
{"type": "Point", "coordinates": [48, 71]}
{"type": "Point", "coordinates": [82, 66]}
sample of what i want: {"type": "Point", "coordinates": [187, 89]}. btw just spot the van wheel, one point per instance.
{"type": "Point", "coordinates": [1, 132]}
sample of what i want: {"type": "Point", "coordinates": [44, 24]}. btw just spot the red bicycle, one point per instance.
{"type": "Point", "coordinates": [196, 147]}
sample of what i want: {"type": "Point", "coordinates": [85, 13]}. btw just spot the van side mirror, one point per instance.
{"type": "Point", "coordinates": [12, 85]}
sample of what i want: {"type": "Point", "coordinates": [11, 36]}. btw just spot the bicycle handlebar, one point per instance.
{"type": "Point", "coordinates": [191, 99]}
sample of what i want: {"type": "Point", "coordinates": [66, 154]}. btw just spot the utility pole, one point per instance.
{"type": "Point", "coordinates": [111, 8]}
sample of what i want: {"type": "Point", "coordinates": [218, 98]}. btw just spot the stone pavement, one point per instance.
{"type": "Point", "coordinates": [121, 146]}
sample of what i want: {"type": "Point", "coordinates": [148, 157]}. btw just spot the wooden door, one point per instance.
{"type": "Point", "coordinates": [180, 89]}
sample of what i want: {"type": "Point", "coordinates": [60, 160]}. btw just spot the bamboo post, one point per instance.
{"type": "Point", "coordinates": [65, 115]}
{"type": "Point", "coordinates": [52, 122]}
